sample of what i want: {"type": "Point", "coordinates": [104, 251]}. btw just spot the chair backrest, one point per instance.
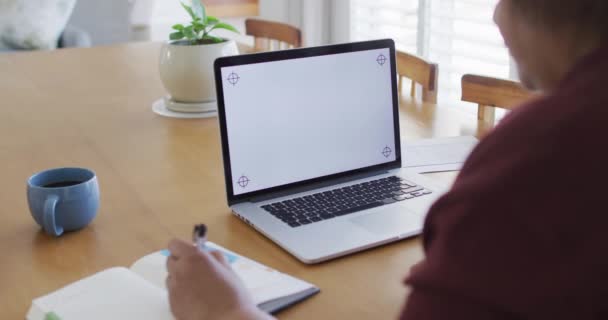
{"type": "Point", "coordinates": [421, 72]}
{"type": "Point", "coordinates": [266, 32]}
{"type": "Point", "coordinates": [489, 93]}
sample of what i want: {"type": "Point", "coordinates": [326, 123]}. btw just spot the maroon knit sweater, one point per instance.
{"type": "Point", "coordinates": [523, 234]}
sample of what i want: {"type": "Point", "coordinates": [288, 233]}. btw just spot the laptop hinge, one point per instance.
{"type": "Point", "coordinates": [317, 185]}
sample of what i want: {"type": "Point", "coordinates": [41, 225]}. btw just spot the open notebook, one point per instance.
{"type": "Point", "coordinates": [139, 292]}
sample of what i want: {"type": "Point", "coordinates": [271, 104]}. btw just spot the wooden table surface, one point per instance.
{"type": "Point", "coordinates": [158, 176]}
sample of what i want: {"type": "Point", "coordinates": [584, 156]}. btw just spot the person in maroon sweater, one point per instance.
{"type": "Point", "coordinates": [522, 233]}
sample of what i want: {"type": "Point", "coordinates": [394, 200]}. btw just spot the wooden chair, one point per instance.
{"type": "Point", "coordinates": [420, 72]}
{"type": "Point", "coordinates": [266, 32]}
{"type": "Point", "coordinates": [489, 93]}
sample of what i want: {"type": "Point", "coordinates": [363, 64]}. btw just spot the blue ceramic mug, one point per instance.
{"type": "Point", "coordinates": [63, 199]}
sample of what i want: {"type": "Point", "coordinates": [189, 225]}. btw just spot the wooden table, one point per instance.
{"type": "Point", "coordinates": [158, 176]}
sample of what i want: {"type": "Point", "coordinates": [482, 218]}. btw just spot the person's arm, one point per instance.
{"type": "Point", "coordinates": [482, 246]}
{"type": "Point", "coordinates": [423, 305]}
{"type": "Point", "coordinates": [519, 235]}
{"type": "Point", "coordinates": [203, 286]}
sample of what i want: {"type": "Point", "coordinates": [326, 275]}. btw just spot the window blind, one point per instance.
{"type": "Point", "coordinates": [459, 35]}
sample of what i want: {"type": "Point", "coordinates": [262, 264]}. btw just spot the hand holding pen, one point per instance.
{"type": "Point", "coordinates": [202, 285]}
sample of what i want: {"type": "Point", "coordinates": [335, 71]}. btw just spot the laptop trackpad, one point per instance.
{"type": "Point", "coordinates": [396, 220]}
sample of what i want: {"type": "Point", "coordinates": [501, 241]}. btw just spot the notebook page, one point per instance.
{"type": "Point", "coordinates": [264, 283]}
{"type": "Point", "coordinates": [115, 293]}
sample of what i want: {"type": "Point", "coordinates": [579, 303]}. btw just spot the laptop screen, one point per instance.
{"type": "Point", "coordinates": [300, 119]}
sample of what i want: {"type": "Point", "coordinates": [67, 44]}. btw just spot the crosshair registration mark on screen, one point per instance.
{"type": "Point", "coordinates": [243, 182]}
{"type": "Point", "coordinates": [381, 59]}
{"type": "Point", "coordinates": [386, 152]}
{"type": "Point", "coordinates": [233, 78]}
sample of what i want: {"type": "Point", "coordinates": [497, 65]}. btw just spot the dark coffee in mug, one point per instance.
{"type": "Point", "coordinates": [62, 184]}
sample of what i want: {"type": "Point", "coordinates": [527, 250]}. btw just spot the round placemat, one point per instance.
{"type": "Point", "coordinates": [160, 108]}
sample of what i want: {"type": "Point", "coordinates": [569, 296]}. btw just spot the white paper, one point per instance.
{"type": "Point", "coordinates": [115, 293]}
{"type": "Point", "coordinates": [438, 154]}
{"type": "Point", "coordinates": [140, 293]}
{"type": "Point", "coordinates": [264, 283]}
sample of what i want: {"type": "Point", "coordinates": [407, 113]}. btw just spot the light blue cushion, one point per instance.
{"type": "Point", "coordinates": [33, 24]}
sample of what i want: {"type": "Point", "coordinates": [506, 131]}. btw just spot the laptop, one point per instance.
{"type": "Point", "coordinates": [311, 149]}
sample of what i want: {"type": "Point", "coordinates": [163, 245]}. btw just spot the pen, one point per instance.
{"type": "Point", "coordinates": [199, 236]}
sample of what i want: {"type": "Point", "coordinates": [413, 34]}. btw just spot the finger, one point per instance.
{"type": "Point", "coordinates": [169, 282]}
{"type": "Point", "coordinates": [180, 248]}
{"type": "Point", "coordinates": [189, 258]}
{"type": "Point", "coordinates": [172, 291]}
{"type": "Point", "coordinates": [220, 257]}
{"type": "Point", "coordinates": [171, 265]}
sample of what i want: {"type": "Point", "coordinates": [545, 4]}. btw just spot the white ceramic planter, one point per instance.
{"type": "Point", "coordinates": [186, 71]}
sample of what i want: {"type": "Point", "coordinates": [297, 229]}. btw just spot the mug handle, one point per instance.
{"type": "Point", "coordinates": [48, 217]}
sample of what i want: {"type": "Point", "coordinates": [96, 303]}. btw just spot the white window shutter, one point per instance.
{"type": "Point", "coordinates": [459, 35]}
{"type": "Point", "coordinates": [396, 19]}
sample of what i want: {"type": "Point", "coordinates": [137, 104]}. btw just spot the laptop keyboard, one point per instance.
{"type": "Point", "coordinates": [339, 202]}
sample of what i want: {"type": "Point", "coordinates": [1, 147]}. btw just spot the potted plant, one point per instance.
{"type": "Point", "coordinates": [186, 61]}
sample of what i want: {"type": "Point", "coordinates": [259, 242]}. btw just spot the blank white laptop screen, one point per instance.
{"type": "Point", "coordinates": [293, 120]}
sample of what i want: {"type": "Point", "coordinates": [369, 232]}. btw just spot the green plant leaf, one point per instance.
{"type": "Point", "coordinates": [198, 26]}
{"type": "Point", "coordinates": [199, 10]}
{"type": "Point", "coordinates": [212, 20]}
{"type": "Point", "coordinates": [178, 27]}
{"type": "Point", "coordinates": [189, 33]}
{"type": "Point", "coordinates": [222, 25]}
{"type": "Point", "coordinates": [176, 35]}
{"type": "Point", "coordinates": [189, 10]}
